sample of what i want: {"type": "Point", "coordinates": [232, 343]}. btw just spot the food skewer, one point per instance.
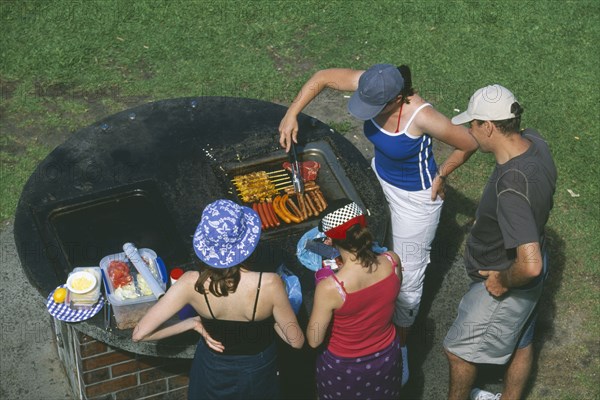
{"type": "Point", "coordinates": [280, 179]}
{"type": "Point", "coordinates": [250, 179]}
{"type": "Point", "coordinates": [284, 185]}
{"type": "Point", "coordinates": [279, 175]}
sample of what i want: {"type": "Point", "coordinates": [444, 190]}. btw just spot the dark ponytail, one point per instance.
{"type": "Point", "coordinates": [407, 90]}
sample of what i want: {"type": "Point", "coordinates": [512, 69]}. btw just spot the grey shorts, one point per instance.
{"type": "Point", "coordinates": [487, 329]}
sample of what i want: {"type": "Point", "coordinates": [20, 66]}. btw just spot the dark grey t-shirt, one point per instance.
{"type": "Point", "coordinates": [513, 209]}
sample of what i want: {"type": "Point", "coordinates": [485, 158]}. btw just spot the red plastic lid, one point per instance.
{"type": "Point", "coordinates": [176, 273]}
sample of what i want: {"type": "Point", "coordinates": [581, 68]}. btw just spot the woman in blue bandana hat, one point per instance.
{"type": "Point", "coordinates": [239, 310]}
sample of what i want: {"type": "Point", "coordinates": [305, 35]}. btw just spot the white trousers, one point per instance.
{"type": "Point", "coordinates": [414, 221]}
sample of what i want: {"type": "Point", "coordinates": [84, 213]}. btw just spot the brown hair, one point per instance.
{"type": "Point", "coordinates": [222, 280]}
{"type": "Point", "coordinates": [359, 241]}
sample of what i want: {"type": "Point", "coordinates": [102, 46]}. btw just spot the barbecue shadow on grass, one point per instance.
{"type": "Point", "coordinates": [547, 308]}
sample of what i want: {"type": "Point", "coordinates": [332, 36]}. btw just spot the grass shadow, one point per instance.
{"type": "Point", "coordinates": [446, 247]}
{"type": "Point", "coordinates": [491, 376]}
{"type": "Point", "coordinates": [547, 307]}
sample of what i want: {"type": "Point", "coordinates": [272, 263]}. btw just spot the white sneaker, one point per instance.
{"type": "Point", "coordinates": [478, 394]}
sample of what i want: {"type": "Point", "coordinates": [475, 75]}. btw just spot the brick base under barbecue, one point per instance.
{"type": "Point", "coordinates": [98, 371]}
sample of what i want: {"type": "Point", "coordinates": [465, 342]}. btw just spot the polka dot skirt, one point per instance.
{"type": "Point", "coordinates": [375, 376]}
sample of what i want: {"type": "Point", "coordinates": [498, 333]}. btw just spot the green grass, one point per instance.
{"type": "Point", "coordinates": [63, 64]}
{"type": "Point", "coordinates": [15, 170]}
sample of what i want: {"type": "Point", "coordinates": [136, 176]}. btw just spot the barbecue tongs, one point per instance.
{"type": "Point", "coordinates": [296, 175]}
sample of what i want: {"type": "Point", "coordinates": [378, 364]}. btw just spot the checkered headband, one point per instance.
{"type": "Point", "coordinates": [336, 222]}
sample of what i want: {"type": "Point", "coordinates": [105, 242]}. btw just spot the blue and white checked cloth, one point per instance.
{"type": "Point", "coordinates": [64, 313]}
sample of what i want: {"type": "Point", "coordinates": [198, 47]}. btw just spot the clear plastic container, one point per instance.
{"type": "Point", "coordinates": [128, 312]}
{"type": "Point", "coordinates": [89, 299]}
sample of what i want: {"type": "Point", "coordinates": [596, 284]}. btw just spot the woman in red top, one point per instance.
{"type": "Point", "coordinates": [353, 312]}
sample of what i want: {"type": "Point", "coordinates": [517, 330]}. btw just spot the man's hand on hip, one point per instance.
{"type": "Point", "coordinates": [494, 283]}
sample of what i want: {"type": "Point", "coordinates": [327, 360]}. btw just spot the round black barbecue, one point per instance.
{"type": "Point", "coordinates": [144, 176]}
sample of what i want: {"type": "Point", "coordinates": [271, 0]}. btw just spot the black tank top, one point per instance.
{"type": "Point", "coordinates": [241, 337]}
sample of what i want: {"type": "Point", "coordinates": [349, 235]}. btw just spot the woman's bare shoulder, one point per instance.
{"type": "Point", "coordinates": [190, 276]}
{"type": "Point", "coordinates": [329, 286]}
{"type": "Point", "coordinates": [384, 258]}
{"type": "Point", "coordinates": [429, 118]}
{"type": "Point", "coordinates": [270, 278]}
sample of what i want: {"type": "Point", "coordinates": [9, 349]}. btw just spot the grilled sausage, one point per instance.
{"type": "Point", "coordinates": [308, 209]}
{"type": "Point", "coordinates": [315, 201]}
{"type": "Point", "coordinates": [270, 223]}
{"type": "Point", "coordinates": [283, 205]}
{"type": "Point", "coordinates": [302, 205]}
{"type": "Point", "coordinates": [265, 209]}
{"type": "Point", "coordinates": [279, 212]}
{"type": "Point", "coordinates": [321, 198]}
{"type": "Point", "coordinates": [255, 207]}
{"type": "Point", "coordinates": [274, 217]}
{"type": "Point", "coordinates": [311, 206]}
{"type": "Point", "coordinates": [291, 190]}
{"type": "Point", "coordinates": [294, 209]}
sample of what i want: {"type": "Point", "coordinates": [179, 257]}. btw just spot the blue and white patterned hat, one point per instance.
{"type": "Point", "coordinates": [227, 234]}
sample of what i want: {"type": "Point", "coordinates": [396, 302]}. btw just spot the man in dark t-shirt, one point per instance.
{"type": "Point", "coordinates": [505, 254]}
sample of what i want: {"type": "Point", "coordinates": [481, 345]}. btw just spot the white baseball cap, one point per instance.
{"type": "Point", "coordinates": [491, 103]}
